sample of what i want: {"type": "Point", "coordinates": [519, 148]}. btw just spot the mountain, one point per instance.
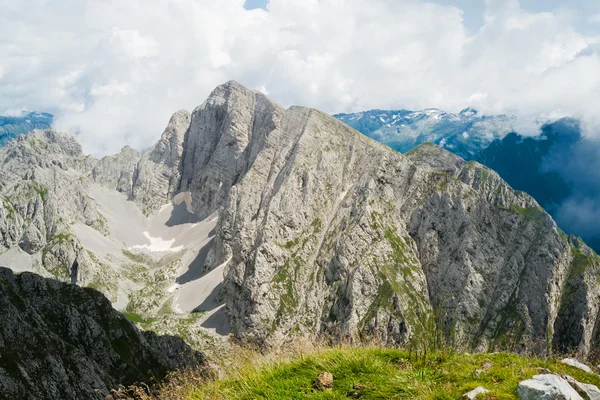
{"type": "Point", "coordinates": [95, 222]}
{"type": "Point", "coordinates": [272, 223]}
{"type": "Point", "coordinates": [559, 168]}
{"type": "Point", "coordinates": [519, 160]}
{"type": "Point", "coordinates": [13, 127]}
{"type": "Point", "coordinates": [464, 134]}
{"type": "Point", "coordinates": [59, 341]}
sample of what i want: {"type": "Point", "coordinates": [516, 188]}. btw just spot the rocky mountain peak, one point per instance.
{"type": "Point", "coordinates": [316, 229]}
{"type": "Point", "coordinates": [225, 134]}
{"type": "Point", "coordinates": [469, 111]}
{"type": "Point", "coordinates": [117, 171]}
{"type": "Point", "coordinates": [47, 143]}
{"type": "Point", "coordinates": [157, 176]}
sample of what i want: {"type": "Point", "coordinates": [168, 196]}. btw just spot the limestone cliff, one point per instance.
{"type": "Point", "coordinates": [321, 231]}
{"type": "Point", "coordinates": [157, 174]}
{"type": "Point", "coordinates": [325, 231]}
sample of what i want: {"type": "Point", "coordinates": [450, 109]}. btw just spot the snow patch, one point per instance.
{"type": "Point", "coordinates": [157, 245]}
{"type": "Point", "coordinates": [173, 288]}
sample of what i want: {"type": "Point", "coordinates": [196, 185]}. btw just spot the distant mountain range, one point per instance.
{"type": "Point", "coordinates": [14, 126]}
{"type": "Point", "coordinates": [465, 134]}
{"type": "Point", "coordinates": [559, 167]}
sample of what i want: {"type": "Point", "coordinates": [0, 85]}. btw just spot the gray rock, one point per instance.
{"type": "Point", "coordinates": [330, 233]}
{"type": "Point", "coordinates": [547, 387]}
{"type": "Point", "coordinates": [574, 363]}
{"type": "Point", "coordinates": [117, 172]}
{"type": "Point", "coordinates": [586, 390]}
{"type": "Point", "coordinates": [224, 138]}
{"type": "Point", "coordinates": [472, 395]}
{"type": "Point", "coordinates": [59, 341]}
{"type": "Point", "coordinates": [157, 175]}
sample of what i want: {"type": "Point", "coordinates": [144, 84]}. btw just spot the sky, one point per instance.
{"type": "Point", "coordinates": [113, 72]}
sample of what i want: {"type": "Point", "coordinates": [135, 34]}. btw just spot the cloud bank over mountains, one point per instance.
{"type": "Point", "coordinates": [115, 71]}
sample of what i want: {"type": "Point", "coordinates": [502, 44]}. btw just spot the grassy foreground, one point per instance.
{"type": "Point", "coordinates": [371, 373]}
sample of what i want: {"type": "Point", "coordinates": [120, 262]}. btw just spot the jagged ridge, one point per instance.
{"type": "Point", "coordinates": [323, 231]}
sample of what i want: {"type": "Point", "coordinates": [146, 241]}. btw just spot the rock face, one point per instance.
{"type": "Point", "coordinates": [43, 189]}
{"type": "Point", "coordinates": [223, 140]}
{"type": "Point", "coordinates": [157, 175]}
{"type": "Point", "coordinates": [59, 341]}
{"type": "Point", "coordinates": [117, 172]}
{"type": "Point", "coordinates": [321, 231]}
{"type": "Point", "coordinates": [327, 232]}
{"type": "Point", "coordinates": [557, 167]}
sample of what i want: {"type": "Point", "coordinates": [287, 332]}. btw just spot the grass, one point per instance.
{"type": "Point", "coordinates": [139, 258]}
{"type": "Point", "coordinates": [370, 373]}
{"type": "Point", "coordinates": [535, 214]}
{"type": "Point", "coordinates": [138, 318]}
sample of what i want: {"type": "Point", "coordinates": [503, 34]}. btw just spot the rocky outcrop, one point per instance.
{"type": "Point", "coordinates": [158, 171]}
{"type": "Point", "coordinates": [43, 189]}
{"type": "Point", "coordinates": [224, 138]}
{"type": "Point", "coordinates": [59, 341]}
{"type": "Point", "coordinates": [577, 325]}
{"type": "Point", "coordinates": [117, 172]}
{"type": "Point", "coordinates": [325, 231]}
{"type": "Point", "coordinates": [322, 231]}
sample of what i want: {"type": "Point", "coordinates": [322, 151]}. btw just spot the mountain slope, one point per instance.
{"type": "Point", "coordinates": [59, 341]}
{"type": "Point", "coordinates": [281, 222]}
{"type": "Point", "coordinates": [558, 168]}
{"type": "Point", "coordinates": [13, 127]}
{"type": "Point", "coordinates": [67, 216]}
{"type": "Point", "coordinates": [328, 232]}
{"type": "Point", "coordinates": [465, 133]}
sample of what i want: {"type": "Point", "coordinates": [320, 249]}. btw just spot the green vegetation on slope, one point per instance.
{"type": "Point", "coordinates": [373, 373]}
{"type": "Point", "coordinates": [535, 214]}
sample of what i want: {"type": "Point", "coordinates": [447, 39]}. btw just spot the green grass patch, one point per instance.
{"type": "Point", "coordinates": [138, 318]}
{"type": "Point", "coordinates": [375, 373]}
{"type": "Point", "coordinates": [534, 214]}
{"type": "Point", "coordinates": [138, 257]}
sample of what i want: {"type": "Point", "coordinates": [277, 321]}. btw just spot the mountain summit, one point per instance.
{"type": "Point", "coordinates": [282, 222]}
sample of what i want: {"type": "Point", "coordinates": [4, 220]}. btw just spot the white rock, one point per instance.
{"type": "Point", "coordinates": [472, 395]}
{"type": "Point", "coordinates": [574, 363]}
{"type": "Point", "coordinates": [547, 387]}
{"type": "Point", "coordinates": [591, 391]}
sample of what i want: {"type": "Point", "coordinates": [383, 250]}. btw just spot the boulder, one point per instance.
{"type": "Point", "coordinates": [587, 391]}
{"type": "Point", "coordinates": [472, 395]}
{"type": "Point", "coordinates": [574, 363]}
{"type": "Point", "coordinates": [547, 387]}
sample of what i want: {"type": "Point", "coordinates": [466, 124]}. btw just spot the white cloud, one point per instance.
{"type": "Point", "coordinates": [114, 71]}
{"type": "Point", "coordinates": [595, 18]}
